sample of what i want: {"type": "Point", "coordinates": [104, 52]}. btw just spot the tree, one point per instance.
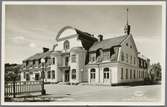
{"type": "Point", "coordinates": [12, 72]}
{"type": "Point", "coordinates": [155, 72]}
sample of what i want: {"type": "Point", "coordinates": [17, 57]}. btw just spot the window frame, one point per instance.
{"type": "Point", "coordinates": [106, 73]}
{"type": "Point", "coordinates": [73, 58]}
{"type": "Point", "coordinates": [93, 73]}
{"type": "Point", "coordinates": [73, 74]}
{"type": "Point", "coordinates": [66, 45]}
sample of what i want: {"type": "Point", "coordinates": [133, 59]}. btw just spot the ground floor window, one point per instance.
{"type": "Point", "coordinates": [27, 77]}
{"type": "Point", "coordinates": [92, 73]}
{"type": "Point", "coordinates": [131, 74]}
{"type": "Point", "coordinates": [36, 76]}
{"type": "Point", "coordinates": [122, 73]}
{"type": "Point", "coordinates": [134, 75]}
{"type": "Point", "coordinates": [49, 74]}
{"type": "Point", "coordinates": [126, 73]}
{"type": "Point", "coordinates": [24, 75]}
{"type": "Point", "coordinates": [53, 74]}
{"type": "Point", "coordinates": [73, 73]}
{"type": "Point", "coordinates": [106, 73]}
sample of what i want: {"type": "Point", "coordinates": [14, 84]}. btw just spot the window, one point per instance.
{"type": "Point", "coordinates": [66, 45]}
{"type": "Point", "coordinates": [24, 75]}
{"type": "Point", "coordinates": [143, 74]}
{"type": "Point", "coordinates": [106, 56]}
{"type": "Point", "coordinates": [122, 56]}
{"type": "Point", "coordinates": [93, 58]}
{"type": "Point", "coordinates": [130, 46]}
{"type": "Point", "coordinates": [66, 61]}
{"type": "Point", "coordinates": [27, 77]}
{"type": "Point", "coordinates": [127, 58]}
{"type": "Point", "coordinates": [122, 73]}
{"type": "Point", "coordinates": [106, 73]}
{"type": "Point", "coordinates": [92, 73]}
{"type": "Point", "coordinates": [73, 58]}
{"type": "Point", "coordinates": [36, 76]}
{"type": "Point", "coordinates": [134, 60]}
{"type": "Point", "coordinates": [126, 44]}
{"type": "Point", "coordinates": [130, 59]}
{"type": "Point", "coordinates": [53, 61]}
{"type": "Point", "coordinates": [73, 73]}
{"type": "Point", "coordinates": [134, 75]}
{"type": "Point", "coordinates": [49, 74]}
{"type": "Point", "coordinates": [131, 74]}
{"type": "Point", "coordinates": [53, 74]}
{"type": "Point", "coordinates": [126, 73]}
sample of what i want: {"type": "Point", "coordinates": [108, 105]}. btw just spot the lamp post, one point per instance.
{"type": "Point", "coordinates": [43, 91]}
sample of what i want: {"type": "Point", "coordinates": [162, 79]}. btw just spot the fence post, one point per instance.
{"type": "Point", "coordinates": [14, 91]}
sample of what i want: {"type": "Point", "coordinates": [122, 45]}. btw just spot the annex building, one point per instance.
{"type": "Point", "coordinates": [79, 57]}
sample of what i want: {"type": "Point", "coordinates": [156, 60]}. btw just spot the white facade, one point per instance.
{"type": "Point", "coordinates": [71, 61]}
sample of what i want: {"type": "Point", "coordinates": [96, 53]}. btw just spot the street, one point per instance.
{"type": "Point", "coordinates": [86, 93]}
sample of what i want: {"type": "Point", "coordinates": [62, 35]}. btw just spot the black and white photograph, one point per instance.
{"type": "Point", "coordinates": [83, 53]}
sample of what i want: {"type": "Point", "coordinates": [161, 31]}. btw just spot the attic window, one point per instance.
{"type": "Point", "coordinates": [66, 45]}
{"type": "Point", "coordinates": [126, 44]}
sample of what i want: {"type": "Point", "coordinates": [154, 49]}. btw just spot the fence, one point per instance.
{"type": "Point", "coordinates": [21, 87]}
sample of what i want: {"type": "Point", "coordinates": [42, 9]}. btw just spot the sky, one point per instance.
{"type": "Point", "coordinates": [28, 28]}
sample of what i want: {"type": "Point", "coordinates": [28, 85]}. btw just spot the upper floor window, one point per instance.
{"type": "Point", "coordinates": [53, 61]}
{"type": "Point", "coordinates": [99, 55]}
{"type": "Point", "coordinates": [73, 58]}
{"type": "Point", "coordinates": [134, 60]}
{"type": "Point", "coordinates": [66, 45]}
{"type": "Point", "coordinates": [122, 56]}
{"type": "Point", "coordinates": [66, 61]}
{"type": "Point", "coordinates": [127, 58]}
{"type": "Point", "coordinates": [126, 44]}
{"type": "Point", "coordinates": [130, 59]}
{"type": "Point", "coordinates": [106, 56]}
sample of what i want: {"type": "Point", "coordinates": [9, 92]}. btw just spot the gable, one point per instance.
{"type": "Point", "coordinates": [130, 42]}
{"type": "Point", "coordinates": [66, 33]}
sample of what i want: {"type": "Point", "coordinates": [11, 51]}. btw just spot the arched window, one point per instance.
{"type": "Point", "coordinates": [92, 73]}
{"type": "Point", "coordinates": [73, 73]}
{"type": "Point", "coordinates": [106, 73]}
{"type": "Point", "coordinates": [66, 45]}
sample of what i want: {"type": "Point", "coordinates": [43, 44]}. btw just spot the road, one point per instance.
{"type": "Point", "coordinates": [85, 93]}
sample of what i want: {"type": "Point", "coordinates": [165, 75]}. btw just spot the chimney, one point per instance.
{"type": "Point", "coordinates": [100, 38]}
{"type": "Point", "coordinates": [45, 49]}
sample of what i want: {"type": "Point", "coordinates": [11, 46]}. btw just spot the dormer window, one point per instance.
{"type": "Point", "coordinates": [99, 55]}
{"type": "Point", "coordinates": [126, 44]}
{"type": "Point", "coordinates": [66, 45]}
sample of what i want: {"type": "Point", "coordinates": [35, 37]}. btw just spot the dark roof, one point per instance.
{"type": "Point", "coordinates": [108, 43]}
{"type": "Point", "coordinates": [87, 39]}
{"type": "Point", "coordinates": [40, 55]}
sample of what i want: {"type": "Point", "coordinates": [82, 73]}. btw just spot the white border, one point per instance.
{"type": "Point", "coordinates": [162, 3]}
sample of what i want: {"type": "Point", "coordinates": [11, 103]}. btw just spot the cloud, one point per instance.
{"type": "Point", "coordinates": [32, 45]}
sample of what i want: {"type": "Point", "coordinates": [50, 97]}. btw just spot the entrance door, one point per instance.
{"type": "Point", "coordinates": [66, 74]}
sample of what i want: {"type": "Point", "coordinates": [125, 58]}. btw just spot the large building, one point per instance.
{"type": "Point", "coordinates": [79, 57]}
